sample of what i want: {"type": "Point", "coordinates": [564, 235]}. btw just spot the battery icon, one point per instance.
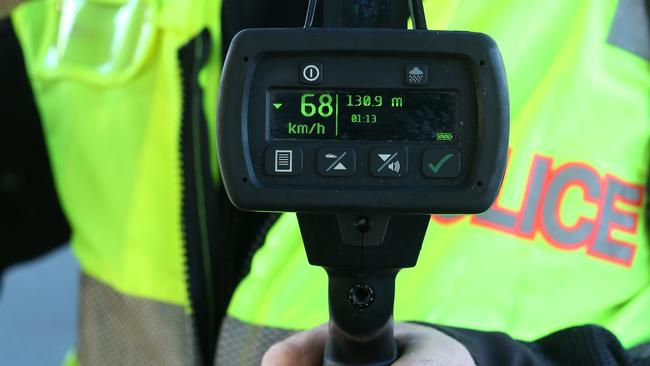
{"type": "Point", "coordinates": [444, 136]}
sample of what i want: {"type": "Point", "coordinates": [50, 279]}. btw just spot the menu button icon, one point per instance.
{"type": "Point", "coordinates": [283, 161]}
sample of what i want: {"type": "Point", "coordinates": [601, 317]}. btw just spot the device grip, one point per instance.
{"type": "Point", "coordinates": [361, 318]}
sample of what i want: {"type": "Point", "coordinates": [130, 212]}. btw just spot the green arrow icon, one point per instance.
{"type": "Point", "coordinates": [277, 105]}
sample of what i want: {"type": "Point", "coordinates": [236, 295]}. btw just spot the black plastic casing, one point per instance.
{"type": "Point", "coordinates": [261, 59]}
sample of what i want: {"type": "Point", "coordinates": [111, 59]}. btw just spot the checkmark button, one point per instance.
{"type": "Point", "coordinates": [441, 163]}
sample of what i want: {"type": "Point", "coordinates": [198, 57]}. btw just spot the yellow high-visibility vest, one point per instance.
{"type": "Point", "coordinates": [107, 84]}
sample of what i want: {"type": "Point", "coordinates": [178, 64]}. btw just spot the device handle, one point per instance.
{"type": "Point", "coordinates": [361, 318]}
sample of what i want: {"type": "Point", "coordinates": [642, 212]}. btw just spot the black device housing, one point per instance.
{"type": "Point", "coordinates": [466, 63]}
{"type": "Point", "coordinates": [362, 226]}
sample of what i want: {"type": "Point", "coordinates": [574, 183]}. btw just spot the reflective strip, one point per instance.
{"type": "Point", "coordinates": [243, 344]}
{"type": "Point", "coordinates": [116, 329]}
{"type": "Point", "coordinates": [631, 29]}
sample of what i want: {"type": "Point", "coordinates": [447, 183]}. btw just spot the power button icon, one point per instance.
{"type": "Point", "coordinates": [311, 73]}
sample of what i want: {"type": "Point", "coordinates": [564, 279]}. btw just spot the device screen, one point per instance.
{"type": "Point", "coordinates": [363, 114]}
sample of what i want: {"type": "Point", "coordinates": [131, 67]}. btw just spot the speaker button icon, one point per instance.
{"type": "Point", "coordinates": [389, 162]}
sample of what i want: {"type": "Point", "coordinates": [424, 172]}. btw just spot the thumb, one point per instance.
{"type": "Point", "coordinates": [301, 349]}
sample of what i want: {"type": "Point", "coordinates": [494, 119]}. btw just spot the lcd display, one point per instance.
{"type": "Point", "coordinates": [363, 114]}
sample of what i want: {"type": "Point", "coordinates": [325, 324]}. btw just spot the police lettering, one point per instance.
{"type": "Point", "coordinates": [540, 212]}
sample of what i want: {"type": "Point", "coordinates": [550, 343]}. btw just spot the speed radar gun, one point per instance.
{"type": "Point", "coordinates": [364, 131]}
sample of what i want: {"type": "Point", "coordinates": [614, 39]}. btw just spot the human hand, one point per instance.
{"type": "Point", "coordinates": [417, 344]}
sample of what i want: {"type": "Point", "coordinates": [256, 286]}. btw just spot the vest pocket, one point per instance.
{"type": "Point", "coordinates": [103, 42]}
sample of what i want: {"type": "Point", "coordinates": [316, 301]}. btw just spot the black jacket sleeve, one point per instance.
{"type": "Point", "coordinates": [31, 218]}
{"type": "Point", "coordinates": [584, 345]}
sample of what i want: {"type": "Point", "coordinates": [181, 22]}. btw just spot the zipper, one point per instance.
{"type": "Point", "coordinates": [198, 208]}
{"type": "Point", "coordinates": [260, 238]}
{"type": "Point", "coordinates": [219, 240]}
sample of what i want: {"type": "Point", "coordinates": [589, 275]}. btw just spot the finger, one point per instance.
{"type": "Point", "coordinates": [301, 349]}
